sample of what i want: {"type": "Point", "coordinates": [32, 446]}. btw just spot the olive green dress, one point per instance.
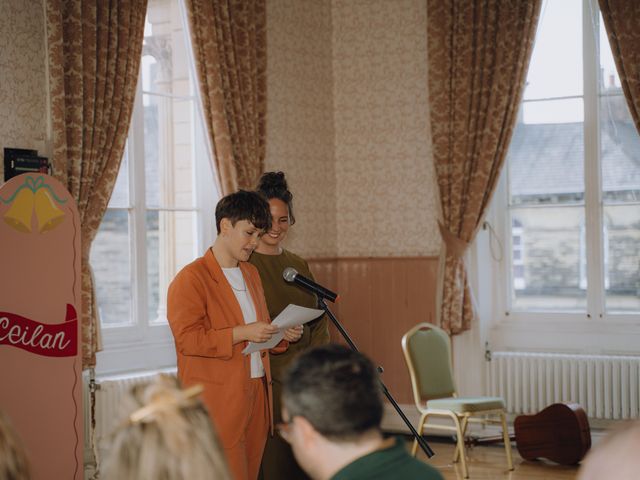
{"type": "Point", "coordinates": [278, 462]}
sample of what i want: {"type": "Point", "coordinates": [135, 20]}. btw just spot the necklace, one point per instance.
{"type": "Point", "coordinates": [243, 285]}
{"type": "Point", "coordinates": [243, 289]}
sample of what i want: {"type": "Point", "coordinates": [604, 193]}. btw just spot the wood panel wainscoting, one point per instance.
{"type": "Point", "coordinates": [380, 299]}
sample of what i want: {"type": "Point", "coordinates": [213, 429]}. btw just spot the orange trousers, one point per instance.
{"type": "Point", "coordinates": [245, 456]}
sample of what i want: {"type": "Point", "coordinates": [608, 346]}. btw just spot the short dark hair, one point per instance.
{"type": "Point", "coordinates": [244, 205]}
{"type": "Point", "coordinates": [274, 185]}
{"type": "Point", "coordinates": [336, 389]}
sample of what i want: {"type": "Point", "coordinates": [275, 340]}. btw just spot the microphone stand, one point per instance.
{"type": "Point", "coordinates": [421, 441]}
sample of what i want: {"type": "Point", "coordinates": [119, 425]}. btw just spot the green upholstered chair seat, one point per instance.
{"type": "Point", "coordinates": [466, 404]}
{"type": "Point", "coordinates": [427, 351]}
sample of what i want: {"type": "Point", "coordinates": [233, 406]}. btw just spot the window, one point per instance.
{"type": "Point", "coordinates": [160, 216]}
{"type": "Point", "coordinates": [573, 176]}
{"type": "Point", "coordinates": [517, 244]}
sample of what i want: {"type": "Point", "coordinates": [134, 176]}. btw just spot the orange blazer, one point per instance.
{"type": "Point", "coordinates": [202, 311]}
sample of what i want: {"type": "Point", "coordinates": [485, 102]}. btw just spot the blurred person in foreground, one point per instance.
{"type": "Point", "coordinates": [168, 435]}
{"type": "Point", "coordinates": [13, 460]}
{"type": "Point", "coordinates": [271, 259]}
{"type": "Point", "coordinates": [615, 456]}
{"type": "Point", "coordinates": [332, 409]}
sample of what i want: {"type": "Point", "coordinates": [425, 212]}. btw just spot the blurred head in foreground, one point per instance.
{"type": "Point", "coordinates": [168, 435]}
{"type": "Point", "coordinates": [615, 456]}
{"type": "Point", "coordinates": [13, 461]}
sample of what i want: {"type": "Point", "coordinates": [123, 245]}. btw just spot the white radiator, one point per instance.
{"type": "Point", "coordinates": [108, 397]}
{"type": "Point", "coordinates": [607, 387]}
{"type": "Point", "coordinates": [109, 394]}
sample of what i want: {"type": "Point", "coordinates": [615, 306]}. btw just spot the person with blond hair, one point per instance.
{"type": "Point", "coordinates": [13, 460]}
{"type": "Point", "coordinates": [167, 434]}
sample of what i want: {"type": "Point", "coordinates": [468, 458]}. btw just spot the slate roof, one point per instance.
{"type": "Point", "coordinates": [548, 158]}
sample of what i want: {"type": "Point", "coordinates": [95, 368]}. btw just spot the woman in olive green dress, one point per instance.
{"type": "Point", "coordinates": [270, 258]}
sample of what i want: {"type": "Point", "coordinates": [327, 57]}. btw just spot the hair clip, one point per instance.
{"type": "Point", "coordinates": [162, 402]}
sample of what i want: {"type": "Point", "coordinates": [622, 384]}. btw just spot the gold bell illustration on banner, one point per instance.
{"type": "Point", "coordinates": [33, 195]}
{"type": "Point", "coordinates": [19, 214]}
{"type": "Point", "coordinates": [47, 212]}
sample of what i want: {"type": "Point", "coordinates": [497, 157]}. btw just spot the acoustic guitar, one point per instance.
{"type": "Point", "coordinates": [559, 433]}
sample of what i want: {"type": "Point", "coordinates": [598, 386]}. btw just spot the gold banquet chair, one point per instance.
{"type": "Point", "coordinates": [427, 351]}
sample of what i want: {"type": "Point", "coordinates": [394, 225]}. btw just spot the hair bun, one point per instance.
{"type": "Point", "coordinates": [274, 185]}
{"type": "Point", "coordinates": [270, 181]}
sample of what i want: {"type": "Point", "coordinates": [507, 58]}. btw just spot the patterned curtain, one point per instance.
{"type": "Point", "coordinates": [229, 44]}
{"type": "Point", "coordinates": [478, 55]}
{"type": "Point", "coordinates": [94, 56]}
{"type": "Point", "coordinates": [622, 21]}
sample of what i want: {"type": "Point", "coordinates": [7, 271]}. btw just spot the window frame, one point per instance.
{"type": "Point", "coordinates": [142, 344]}
{"type": "Point", "coordinates": [593, 330]}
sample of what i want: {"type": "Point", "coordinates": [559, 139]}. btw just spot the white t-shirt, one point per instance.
{"type": "Point", "coordinates": [239, 287]}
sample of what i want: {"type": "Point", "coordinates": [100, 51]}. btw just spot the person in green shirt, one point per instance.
{"type": "Point", "coordinates": [332, 409]}
{"type": "Point", "coordinates": [271, 258]}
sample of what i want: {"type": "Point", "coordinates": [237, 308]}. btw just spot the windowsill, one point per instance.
{"type": "Point", "coordinates": [136, 373]}
{"type": "Point", "coordinates": [135, 356]}
{"type": "Point", "coordinates": [619, 336]}
{"type": "Point", "coordinates": [134, 334]}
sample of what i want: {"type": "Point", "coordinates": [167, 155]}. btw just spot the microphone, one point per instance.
{"type": "Point", "coordinates": [291, 275]}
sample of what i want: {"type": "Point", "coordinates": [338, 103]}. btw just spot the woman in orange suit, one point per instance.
{"type": "Point", "coordinates": [215, 306]}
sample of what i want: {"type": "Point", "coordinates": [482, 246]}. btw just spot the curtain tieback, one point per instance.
{"type": "Point", "coordinates": [456, 247]}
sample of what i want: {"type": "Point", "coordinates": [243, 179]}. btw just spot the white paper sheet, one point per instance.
{"type": "Point", "coordinates": [291, 316]}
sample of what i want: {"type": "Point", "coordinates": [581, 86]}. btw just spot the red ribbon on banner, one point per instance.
{"type": "Point", "coordinates": [50, 340]}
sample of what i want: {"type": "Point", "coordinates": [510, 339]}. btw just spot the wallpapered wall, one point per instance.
{"type": "Point", "coordinates": [300, 118]}
{"type": "Point", "coordinates": [347, 118]}
{"type": "Point", "coordinates": [386, 192]}
{"type": "Point", "coordinates": [348, 121]}
{"type": "Point", "coordinates": [23, 112]}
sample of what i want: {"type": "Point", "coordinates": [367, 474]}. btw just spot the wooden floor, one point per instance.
{"type": "Point", "coordinates": [490, 462]}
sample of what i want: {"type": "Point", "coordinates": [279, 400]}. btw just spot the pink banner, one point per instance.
{"type": "Point", "coordinates": [49, 340]}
